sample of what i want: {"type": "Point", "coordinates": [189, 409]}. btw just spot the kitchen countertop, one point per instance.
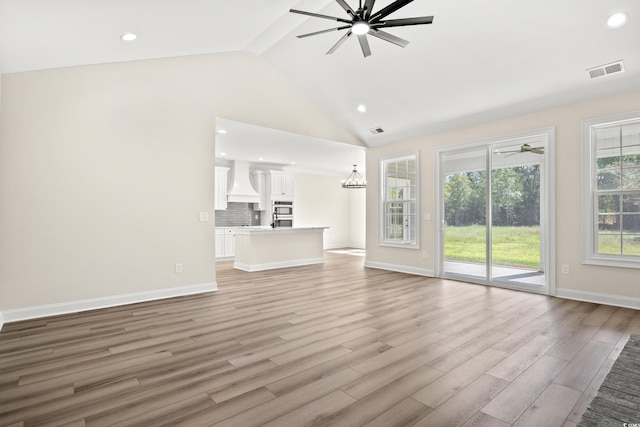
{"type": "Point", "coordinates": [241, 226]}
{"type": "Point", "coordinates": [263, 230]}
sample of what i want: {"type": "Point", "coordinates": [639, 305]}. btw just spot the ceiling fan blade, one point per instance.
{"type": "Point", "coordinates": [404, 21]}
{"type": "Point", "coordinates": [339, 42]}
{"type": "Point", "coordinates": [346, 7]}
{"type": "Point", "coordinates": [323, 31]}
{"type": "Point", "coordinates": [388, 37]}
{"type": "Point", "coordinates": [364, 45]}
{"type": "Point", "coordinates": [368, 7]}
{"type": "Point", "coordinates": [318, 15]}
{"type": "Point", "coordinates": [524, 148]}
{"type": "Point", "coordinates": [388, 10]}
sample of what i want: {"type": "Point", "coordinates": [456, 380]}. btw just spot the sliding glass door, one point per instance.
{"type": "Point", "coordinates": [464, 226]}
{"type": "Point", "coordinates": [516, 207]}
{"type": "Point", "coordinates": [494, 213]}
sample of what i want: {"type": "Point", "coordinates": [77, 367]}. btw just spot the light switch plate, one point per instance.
{"type": "Point", "coordinates": [204, 216]}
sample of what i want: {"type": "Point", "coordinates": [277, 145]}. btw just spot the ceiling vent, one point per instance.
{"type": "Point", "coordinates": [605, 70]}
{"type": "Point", "coordinates": [376, 130]}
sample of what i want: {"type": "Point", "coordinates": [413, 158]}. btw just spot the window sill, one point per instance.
{"type": "Point", "coordinates": [407, 245]}
{"type": "Point", "coordinates": [616, 262]}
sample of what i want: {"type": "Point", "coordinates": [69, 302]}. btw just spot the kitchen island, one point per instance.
{"type": "Point", "coordinates": [260, 249]}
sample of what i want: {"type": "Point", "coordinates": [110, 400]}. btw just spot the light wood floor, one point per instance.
{"type": "Point", "coordinates": [328, 345]}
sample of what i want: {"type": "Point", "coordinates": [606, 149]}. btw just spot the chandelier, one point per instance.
{"type": "Point", "coordinates": [354, 180]}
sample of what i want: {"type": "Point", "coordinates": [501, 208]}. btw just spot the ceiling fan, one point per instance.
{"type": "Point", "coordinates": [524, 148]}
{"type": "Point", "coordinates": [363, 21]}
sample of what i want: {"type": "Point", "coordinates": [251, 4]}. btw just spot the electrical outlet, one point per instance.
{"type": "Point", "coordinates": [178, 268]}
{"type": "Point", "coordinates": [565, 268]}
{"type": "Point", "coordinates": [424, 254]}
{"type": "Point", "coordinates": [256, 216]}
{"type": "Point", "coordinates": [204, 216]}
{"type": "Point", "coordinates": [427, 216]}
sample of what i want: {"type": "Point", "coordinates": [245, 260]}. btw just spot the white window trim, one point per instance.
{"type": "Point", "coordinates": [589, 220]}
{"type": "Point", "coordinates": [381, 216]}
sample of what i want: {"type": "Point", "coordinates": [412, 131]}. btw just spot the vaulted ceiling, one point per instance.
{"type": "Point", "coordinates": [478, 61]}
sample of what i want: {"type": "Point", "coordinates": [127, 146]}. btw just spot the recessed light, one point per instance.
{"type": "Point", "coordinates": [362, 108]}
{"type": "Point", "coordinates": [128, 37]}
{"type": "Point", "coordinates": [223, 154]}
{"type": "Point", "coordinates": [293, 163]}
{"type": "Point", "coordinates": [617, 19]}
{"type": "Point", "coordinates": [221, 131]}
{"type": "Point", "coordinates": [260, 158]}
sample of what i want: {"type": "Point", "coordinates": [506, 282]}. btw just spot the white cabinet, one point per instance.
{"type": "Point", "coordinates": [221, 188]}
{"type": "Point", "coordinates": [229, 243]}
{"type": "Point", "coordinates": [260, 184]}
{"type": "Point", "coordinates": [225, 242]}
{"type": "Point", "coordinates": [280, 185]}
{"type": "Point", "coordinates": [220, 242]}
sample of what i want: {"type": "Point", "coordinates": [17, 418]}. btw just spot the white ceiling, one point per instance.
{"type": "Point", "coordinates": [478, 61]}
{"type": "Point", "coordinates": [275, 149]}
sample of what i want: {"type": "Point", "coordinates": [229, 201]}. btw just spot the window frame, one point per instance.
{"type": "Point", "coordinates": [384, 203]}
{"type": "Point", "coordinates": [590, 193]}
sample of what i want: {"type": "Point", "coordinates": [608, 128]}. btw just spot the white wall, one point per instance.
{"type": "Point", "coordinates": [104, 170]}
{"type": "Point", "coordinates": [357, 217]}
{"type": "Point", "coordinates": [606, 284]}
{"type": "Point", "coordinates": [321, 201]}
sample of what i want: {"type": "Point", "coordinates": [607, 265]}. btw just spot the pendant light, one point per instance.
{"type": "Point", "coordinates": [354, 180]}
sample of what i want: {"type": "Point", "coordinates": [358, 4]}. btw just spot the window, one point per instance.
{"type": "Point", "coordinates": [399, 216]}
{"type": "Point", "coordinates": [611, 193]}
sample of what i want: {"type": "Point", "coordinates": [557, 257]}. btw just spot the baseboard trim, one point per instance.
{"type": "Point", "coordinates": [273, 265]}
{"type": "Point", "coordinates": [599, 298]}
{"type": "Point", "coordinates": [343, 246]}
{"type": "Point", "coordinates": [1, 321]}
{"type": "Point", "coordinates": [27, 313]}
{"type": "Point", "coordinates": [400, 268]}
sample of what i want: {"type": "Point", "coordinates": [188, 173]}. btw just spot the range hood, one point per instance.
{"type": "Point", "coordinates": [241, 189]}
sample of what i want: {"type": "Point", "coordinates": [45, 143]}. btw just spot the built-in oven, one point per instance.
{"type": "Point", "coordinates": [287, 222]}
{"type": "Point", "coordinates": [282, 208]}
{"type": "Point", "coordinates": [281, 214]}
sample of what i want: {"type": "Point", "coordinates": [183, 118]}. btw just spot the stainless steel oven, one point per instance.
{"type": "Point", "coordinates": [281, 214]}
{"type": "Point", "coordinates": [287, 222]}
{"type": "Point", "coordinates": [282, 209]}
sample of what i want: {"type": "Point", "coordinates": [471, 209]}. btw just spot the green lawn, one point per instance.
{"type": "Point", "coordinates": [610, 244]}
{"type": "Point", "coordinates": [512, 246]}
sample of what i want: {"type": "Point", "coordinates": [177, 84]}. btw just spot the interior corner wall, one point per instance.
{"type": "Point", "coordinates": [587, 282]}
{"type": "Point", "coordinates": [104, 170]}
{"type": "Point", "coordinates": [320, 201]}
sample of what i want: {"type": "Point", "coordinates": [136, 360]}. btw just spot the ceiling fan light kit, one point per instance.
{"type": "Point", "coordinates": [360, 27]}
{"type": "Point", "coordinates": [363, 22]}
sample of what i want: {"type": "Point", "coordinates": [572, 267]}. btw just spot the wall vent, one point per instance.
{"type": "Point", "coordinates": [376, 130]}
{"type": "Point", "coordinates": [605, 70]}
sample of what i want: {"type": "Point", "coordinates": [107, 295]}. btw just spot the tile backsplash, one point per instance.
{"type": "Point", "coordinates": [237, 214]}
